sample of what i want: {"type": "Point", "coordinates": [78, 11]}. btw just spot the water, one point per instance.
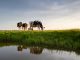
{"type": "Point", "coordinates": [19, 52]}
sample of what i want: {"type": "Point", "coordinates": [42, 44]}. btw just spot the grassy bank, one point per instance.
{"type": "Point", "coordinates": [62, 39]}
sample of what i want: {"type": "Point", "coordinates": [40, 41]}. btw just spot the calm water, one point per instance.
{"type": "Point", "coordinates": [35, 53]}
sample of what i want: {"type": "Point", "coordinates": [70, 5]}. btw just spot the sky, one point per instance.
{"type": "Point", "coordinates": [54, 14]}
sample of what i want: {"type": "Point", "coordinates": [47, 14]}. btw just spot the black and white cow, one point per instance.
{"type": "Point", "coordinates": [36, 24]}
{"type": "Point", "coordinates": [21, 25]}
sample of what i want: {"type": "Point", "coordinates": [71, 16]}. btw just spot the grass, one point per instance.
{"type": "Point", "coordinates": [61, 39]}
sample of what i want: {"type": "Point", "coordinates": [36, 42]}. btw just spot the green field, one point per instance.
{"type": "Point", "coordinates": [61, 39]}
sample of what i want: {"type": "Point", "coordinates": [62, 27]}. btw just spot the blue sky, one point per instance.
{"type": "Point", "coordinates": [54, 14]}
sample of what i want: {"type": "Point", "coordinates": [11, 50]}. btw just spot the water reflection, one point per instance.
{"type": "Point", "coordinates": [21, 47]}
{"type": "Point", "coordinates": [33, 49]}
{"type": "Point", "coordinates": [36, 50]}
{"type": "Point", "coordinates": [78, 52]}
{"type": "Point", "coordinates": [12, 52]}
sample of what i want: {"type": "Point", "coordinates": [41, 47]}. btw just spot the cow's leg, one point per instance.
{"type": "Point", "coordinates": [41, 28]}
{"type": "Point", "coordinates": [22, 28]}
{"type": "Point", "coordinates": [38, 27]}
{"type": "Point", "coordinates": [32, 28]}
{"type": "Point", "coordinates": [19, 28]}
{"type": "Point", "coordinates": [25, 28]}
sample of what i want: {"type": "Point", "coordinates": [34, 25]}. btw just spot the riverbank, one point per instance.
{"type": "Point", "coordinates": [62, 39]}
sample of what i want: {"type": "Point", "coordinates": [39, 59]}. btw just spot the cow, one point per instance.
{"type": "Point", "coordinates": [22, 26]}
{"type": "Point", "coordinates": [36, 24]}
{"type": "Point", "coordinates": [19, 25]}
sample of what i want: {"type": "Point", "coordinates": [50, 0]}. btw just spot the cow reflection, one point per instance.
{"type": "Point", "coordinates": [33, 50]}
{"type": "Point", "coordinates": [21, 47]}
{"type": "Point", "coordinates": [36, 50]}
{"type": "Point", "coordinates": [78, 52]}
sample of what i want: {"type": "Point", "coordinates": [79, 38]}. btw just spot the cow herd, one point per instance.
{"type": "Point", "coordinates": [31, 25]}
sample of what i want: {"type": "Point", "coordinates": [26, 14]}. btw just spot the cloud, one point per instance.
{"type": "Point", "coordinates": [56, 12]}
{"type": "Point", "coordinates": [51, 8]}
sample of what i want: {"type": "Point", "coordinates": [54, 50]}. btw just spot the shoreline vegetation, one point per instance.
{"type": "Point", "coordinates": [56, 39]}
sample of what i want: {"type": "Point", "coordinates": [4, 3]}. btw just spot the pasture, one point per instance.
{"type": "Point", "coordinates": [61, 39]}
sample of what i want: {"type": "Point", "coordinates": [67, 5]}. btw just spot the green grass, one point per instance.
{"type": "Point", "coordinates": [62, 39]}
